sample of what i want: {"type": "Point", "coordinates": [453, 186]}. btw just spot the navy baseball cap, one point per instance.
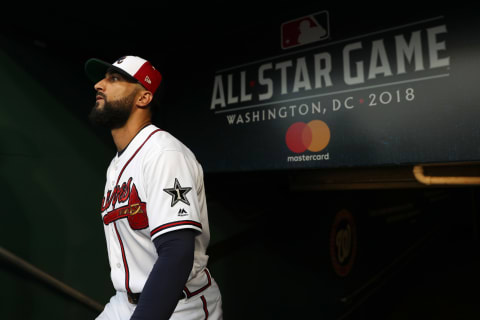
{"type": "Point", "coordinates": [132, 67]}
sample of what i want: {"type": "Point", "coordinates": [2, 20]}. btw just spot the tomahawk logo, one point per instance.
{"type": "Point", "coordinates": [305, 30]}
{"type": "Point", "coordinates": [135, 211]}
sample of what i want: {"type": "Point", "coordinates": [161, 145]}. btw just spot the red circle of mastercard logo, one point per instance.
{"type": "Point", "coordinates": [313, 136]}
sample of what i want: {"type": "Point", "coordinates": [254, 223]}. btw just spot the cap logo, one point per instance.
{"type": "Point", "coordinates": [147, 80]}
{"type": "Point", "coordinates": [120, 60]}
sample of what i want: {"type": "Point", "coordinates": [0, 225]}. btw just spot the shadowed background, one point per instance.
{"type": "Point", "coordinates": [271, 235]}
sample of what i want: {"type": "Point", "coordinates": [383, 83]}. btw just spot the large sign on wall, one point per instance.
{"type": "Point", "coordinates": [403, 92]}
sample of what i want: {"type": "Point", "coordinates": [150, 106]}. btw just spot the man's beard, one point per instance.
{"type": "Point", "coordinates": [114, 114]}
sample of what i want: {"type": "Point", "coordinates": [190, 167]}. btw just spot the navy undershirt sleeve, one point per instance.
{"type": "Point", "coordinates": [170, 272]}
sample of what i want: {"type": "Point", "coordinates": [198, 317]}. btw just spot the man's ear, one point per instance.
{"type": "Point", "coordinates": [144, 98]}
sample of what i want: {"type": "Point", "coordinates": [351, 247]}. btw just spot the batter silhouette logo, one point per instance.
{"type": "Point", "coordinates": [313, 136]}
{"type": "Point", "coordinates": [305, 30]}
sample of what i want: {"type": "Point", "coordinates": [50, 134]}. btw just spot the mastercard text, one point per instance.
{"type": "Point", "coordinates": [309, 157]}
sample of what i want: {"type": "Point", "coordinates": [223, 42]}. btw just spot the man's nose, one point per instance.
{"type": "Point", "coordinates": [100, 85]}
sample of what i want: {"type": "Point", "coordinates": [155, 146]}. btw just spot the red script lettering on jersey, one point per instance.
{"type": "Point", "coordinates": [135, 211]}
{"type": "Point", "coordinates": [119, 193]}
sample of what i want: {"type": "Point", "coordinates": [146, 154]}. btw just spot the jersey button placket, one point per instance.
{"type": "Point", "coordinates": [113, 176]}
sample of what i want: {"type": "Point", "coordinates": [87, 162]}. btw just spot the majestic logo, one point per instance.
{"type": "Point", "coordinates": [305, 30]}
{"type": "Point", "coordinates": [135, 211]}
{"type": "Point", "coordinates": [182, 212]}
{"type": "Point", "coordinates": [178, 193]}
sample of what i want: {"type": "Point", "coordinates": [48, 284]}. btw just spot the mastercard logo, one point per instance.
{"type": "Point", "coordinates": [313, 136]}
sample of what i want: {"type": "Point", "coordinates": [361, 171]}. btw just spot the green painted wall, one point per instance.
{"type": "Point", "coordinates": [52, 175]}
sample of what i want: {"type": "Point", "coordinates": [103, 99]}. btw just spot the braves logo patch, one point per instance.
{"type": "Point", "coordinates": [135, 211]}
{"type": "Point", "coordinates": [178, 193]}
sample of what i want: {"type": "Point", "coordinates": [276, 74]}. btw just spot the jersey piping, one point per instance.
{"type": "Point", "coordinates": [175, 224]}
{"type": "Point", "coordinates": [205, 309]}
{"type": "Point", "coordinates": [125, 264]}
{"type": "Point", "coordinates": [194, 293]}
{"type": "Point", "coordinates": [133, 156]}
{"type": "Point", "coordinates": [124, 257]}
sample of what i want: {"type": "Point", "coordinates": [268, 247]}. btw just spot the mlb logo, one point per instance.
{"type": "Point", "coordinates": [305, 30]}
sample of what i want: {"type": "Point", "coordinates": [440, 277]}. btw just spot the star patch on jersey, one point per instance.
{"type": "Point", "coordinates": [178, 193]}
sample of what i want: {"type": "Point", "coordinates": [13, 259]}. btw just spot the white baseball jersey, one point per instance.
{"type": "Point", "coordinates": [155, 186]}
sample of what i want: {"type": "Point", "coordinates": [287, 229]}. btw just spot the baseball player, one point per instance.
{"type": "Point", "coordinates": [153, 210]}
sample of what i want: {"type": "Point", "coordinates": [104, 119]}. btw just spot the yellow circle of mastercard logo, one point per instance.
{"type": "Point", "coordinates": [313, 136]}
